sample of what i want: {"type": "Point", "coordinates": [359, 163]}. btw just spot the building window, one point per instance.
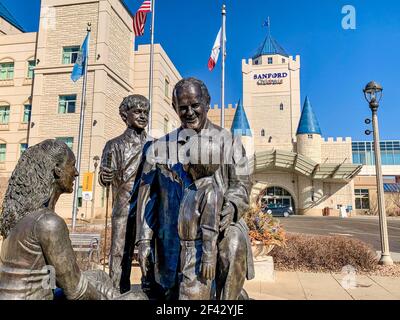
{"type": "Point", "coordinates": [67, 104]}
{"type": "Point", "coordinates": [362, 199]}
{"type": "Point", "coordinates": [4, 114]}
{"type": "Point", "coordinates": [283, 60]}
{"type": "Point", "coordinates": [166, 124]}
{"type": "Point", "coordinates": [31, 66]}
{"type": "Point", "coordinates": [3, 148]}
{"type": "Point", "coordinates": [80, 198]}
{"type": "Point", "coordinates": [310, 136]}
{"type": "Point", "coordinates": [262, 133]}
{"type": "Point", "coordinates": [363, 153]}
{"type": "Point", "coordinates": [166, 87]}
{"type": "Point", "coordinates": [70, 54]}
{"type": "Point", "coordinates": [27, 113]}
{"type": "Point", "coordinates": [270, 60]}
{"type": "Point", "coordinates": [69, 141]}
{"type": "Point", "coordinates": [7, 71]}
{"type": "Point", "coordinates": [281, 107]}
{"type": "Point", "coordinates": [256, 62]}
{"type": "Point", "coordinates": [22, 148]}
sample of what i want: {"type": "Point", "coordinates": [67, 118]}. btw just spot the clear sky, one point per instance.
{"type": "Point", "coordinates": [336, 63]}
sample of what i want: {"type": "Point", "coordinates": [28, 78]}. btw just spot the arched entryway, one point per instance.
{"type": "Point", "coordinates": [277, 198]}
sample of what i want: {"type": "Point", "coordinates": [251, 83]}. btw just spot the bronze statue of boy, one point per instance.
{"type": "Point", "coordinates": [126, 153]}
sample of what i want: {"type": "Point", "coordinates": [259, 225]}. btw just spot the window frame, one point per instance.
{"type": "Point", "coordinates": [360, 196]}
{"type": "Point", "coordinates": [31, 68]}
{"type": "Point", "coordinates": [70, 143]}
{"type": "Point", "coordinates": [166, 87]}
{"type": "Point", "coordinates": [270, 60]}
{"type": "Point", "coordinates": [24, 114]}
{"type": "Point", "coordinates": [7, 71]}
{"type": "Point", "coordinates": [5, 114]}
{"type": "Point", "coordinates": [20, 148]}
{"type": "Point", "coordinates": [166, 124]}
{"type": "Point", "coordinates": [69, 55]}
{"type": "Point", "coordinates": [67, 103]}
{"type": "Point", "coordinates": [3, 153]}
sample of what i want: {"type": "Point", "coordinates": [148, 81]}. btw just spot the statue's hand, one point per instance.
{"type": "Point", "coordinates": [107, 175]}
{"type": "Point", "coordinates": [227, 215]}
{"type": "Point", "coordinates": [144, 251]}
{"type": "Point", "coordinates": [207, 271]}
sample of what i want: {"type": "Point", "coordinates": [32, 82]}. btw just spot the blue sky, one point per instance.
{"type": "Point", "coordinates": [336, 63]}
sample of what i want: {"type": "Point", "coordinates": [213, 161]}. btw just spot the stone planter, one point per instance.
{"type": "Point", "coordinates": [263, 263]}
{"type": "Point", "coordinates": [260, 250]}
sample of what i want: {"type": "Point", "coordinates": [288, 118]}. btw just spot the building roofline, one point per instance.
{"type": "Point", "coordinates": [10, 18]}
{"type": "Point", "coordinates": [127, 8]}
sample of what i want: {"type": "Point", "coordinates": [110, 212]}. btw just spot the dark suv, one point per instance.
{"type": "Point", "coordinates": [278, 210]}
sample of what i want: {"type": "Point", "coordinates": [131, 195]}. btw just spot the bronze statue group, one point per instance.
{"type": "Point", "coordinates": [179, 200]}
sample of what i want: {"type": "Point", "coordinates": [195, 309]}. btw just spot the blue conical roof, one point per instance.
{"type": "Point", "coordinates": [240, 124]}
{"type": "Point", "coordinates": [6, 15]}
{"type": "Point", "coordinates": [269, 47]}
{"type": "Point", "coordinates": [308, 122]}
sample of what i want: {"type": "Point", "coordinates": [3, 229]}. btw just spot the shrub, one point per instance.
{"type": "Point", "coordinates": [323, 253]}
{"type": "Point", "coordinates": [264, 227]}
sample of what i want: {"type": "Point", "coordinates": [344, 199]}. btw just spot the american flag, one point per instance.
{"type": "Point", "coordinates": [139, 20]}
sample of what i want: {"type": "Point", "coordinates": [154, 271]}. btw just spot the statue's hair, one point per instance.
{"type": "Point", "coordinates": [32, 182]}
{"type": "Point", "coordinates": [131, 102]}
{"type": "Point", "coordinates": [186, 82]}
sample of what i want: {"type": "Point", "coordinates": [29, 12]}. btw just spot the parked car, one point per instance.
{"type": "Point", "coordinates": [278, 210]}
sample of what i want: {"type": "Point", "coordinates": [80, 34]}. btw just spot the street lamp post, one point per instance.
{"type": "Point", "coordinates": [373, 94]}
{"type": "Point", "coordinates": [96, 160]}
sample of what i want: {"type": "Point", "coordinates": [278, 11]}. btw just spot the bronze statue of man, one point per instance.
{"type": "Point", "coordinates": [162, 185]}
{"type": "Point", "coordinates": [125, 152]}
{"type": "Point", "coordinates": [36, 253]}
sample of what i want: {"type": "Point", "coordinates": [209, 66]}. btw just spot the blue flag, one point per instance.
{"type": "Point", "coordinates": [81, 61]}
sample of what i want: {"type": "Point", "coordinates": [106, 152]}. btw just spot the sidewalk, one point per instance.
{"type": "Point", "coordinates": [316, 286]}
{"type": "Point", "coordinates": [323, 286]}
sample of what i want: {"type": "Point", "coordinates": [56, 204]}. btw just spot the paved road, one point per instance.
{"type": "Point", "coordinates": [364, 228]}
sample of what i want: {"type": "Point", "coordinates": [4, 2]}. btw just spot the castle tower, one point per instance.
{"type": "Point", "coordinates": [309, 134]}
{"type": "Point", "coordinates": [241, 127]}
{"type": "Point", "coordinates": [271, 95]}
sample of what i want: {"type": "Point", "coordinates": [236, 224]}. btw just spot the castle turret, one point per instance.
{"type": "Point", "coordinates": [240, 123]}
{"type": "Point", "coordinates": [309, 135]}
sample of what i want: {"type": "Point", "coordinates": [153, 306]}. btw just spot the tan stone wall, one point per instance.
{"type": "Point", "coordinates": [262, 102]}
{"type": "Point", "coordinates": [8, 28]}
{"type": "Point", "coordinates": [15, 93]}
{"type": "Point", "coordinates": [336, 150]}
{"type": "Point", "coordinates": [110, 79]}
{"type": "Point", "coordinates": [162, 103]}
{"type": "Point", "coordinates": [310, 148]}
{"type": "Point", "coordinates": [215, 115]}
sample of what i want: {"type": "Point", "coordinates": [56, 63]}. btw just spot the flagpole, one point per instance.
{"type": "Point", "coordinates": [223, 67]}
{"type": "Point", "coordinates": [80, 138]}
{"type": "Point", "coordinates": [151, 76]}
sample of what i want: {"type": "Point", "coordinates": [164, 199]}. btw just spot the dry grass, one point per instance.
{"type": "Point", "coordinates": [323, 254]}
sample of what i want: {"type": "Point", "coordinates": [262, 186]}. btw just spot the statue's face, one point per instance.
{"type": "Point", "coordinates": [67, 174]}
{"type": "Point", "coordinates": [138, 117]}
{"type": "Point", "coordinates": [191, 108]}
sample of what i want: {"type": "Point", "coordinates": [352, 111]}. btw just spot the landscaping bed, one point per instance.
{"type": "Point", "coordinates": [315, 253]}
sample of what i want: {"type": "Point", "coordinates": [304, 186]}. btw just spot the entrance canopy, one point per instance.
{"type": "Point", "coordinates": [297, 163]}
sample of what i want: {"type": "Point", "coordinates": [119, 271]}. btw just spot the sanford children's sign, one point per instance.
{"type": "Point", "coordinates": [270, 78]}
